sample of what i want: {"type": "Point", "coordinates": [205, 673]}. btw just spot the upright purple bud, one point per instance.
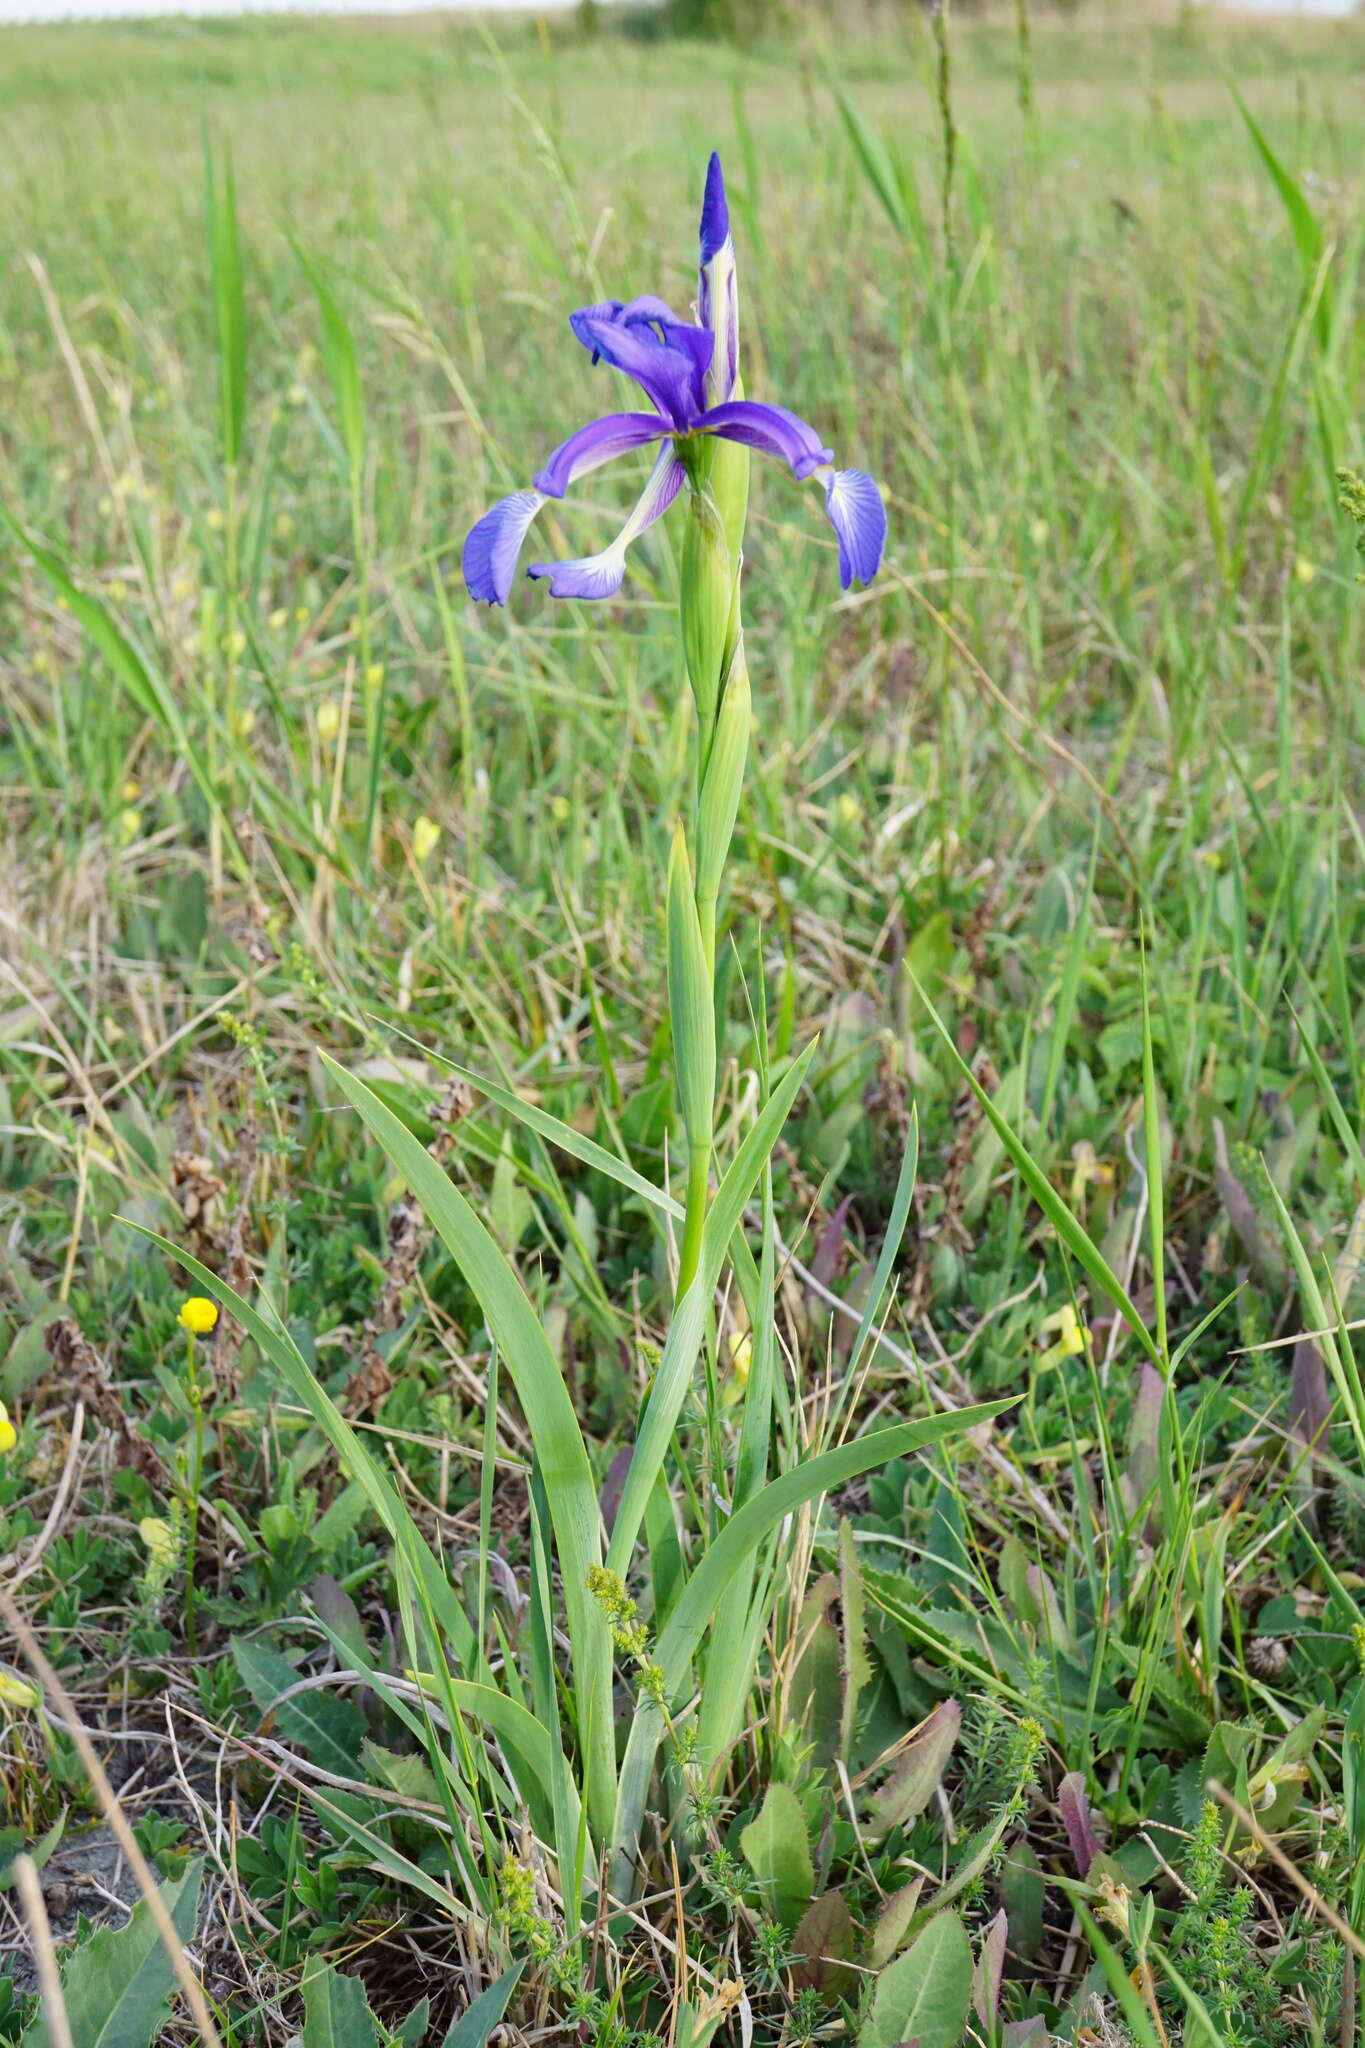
{"type": "Point", "coordinates": [715, 212]}
{"type": "Point", "coordinates": [718, 293]}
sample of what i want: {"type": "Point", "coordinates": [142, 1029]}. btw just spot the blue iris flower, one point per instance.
{"type": "Point", "coordinates": [688, 372]}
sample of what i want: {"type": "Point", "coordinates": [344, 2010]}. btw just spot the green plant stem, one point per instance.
{"type": "Point", "coordinates": [195, 1481]}
{"type": "Point", "coordinates": [694, 1220]}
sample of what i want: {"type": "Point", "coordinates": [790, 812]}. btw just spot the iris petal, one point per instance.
{"type": "Point", "coordinates": [601, 575]}
{"type": "Point", "coordinates": [670, 373]}
{"type": "Point", "coordinates": [771, 429]}
{"type": "Point", "coordinates": [491, 547]}
{"type": "Point", "coordinates": [715, 212]}
{"type": "Point", "coordinates": [858, 516]}
{"type": "Point", "coordinates": [615, 434]}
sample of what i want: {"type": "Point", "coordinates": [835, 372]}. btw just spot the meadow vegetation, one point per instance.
{"type": "Point", "coordinates": [333, 985]}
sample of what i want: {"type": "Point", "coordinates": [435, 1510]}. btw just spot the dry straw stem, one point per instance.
{"type": "Point", "coordinates": [116, 1821]}
{"type": "Point", "coordinates": [30, 1890]}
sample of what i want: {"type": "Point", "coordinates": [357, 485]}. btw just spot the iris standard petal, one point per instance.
{"type": "Point", "coordinates": [601, 575]}
{"type": "Point", "coordinates": [718, 290]}
{"type": "Point", "coordinates": [858, 516]}
{"type": "Point", "coordinates": [771, 429]}
{"type": "Point", "coordinates": [671, 374]}
{"type": "Point", "coordinates": [715, 212]}
{"type": "Point", "coordinates": [492, 545]}
{"type": "Point", "coordinates": [600, 441]}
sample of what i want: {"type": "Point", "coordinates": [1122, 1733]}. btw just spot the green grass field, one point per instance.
{"type": "Point", "coordinates": [1052, 834]}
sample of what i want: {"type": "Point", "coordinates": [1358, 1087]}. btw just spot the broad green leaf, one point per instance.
{"type": "Point", "coordinates": [477, 2021]}
{"type": "Point", "coordinates": [776, 1847]}
{"type": "Point", "coordinates": [918, 1770]}
{"type": "Point", "coordinates": [925, 1994]}
{"type": "Point", "coordinates": [327, 1729]}
{"type": "Point", "coordinates": [891, 1929]}
{"type": "Point", "coordinates": [825, 1943]}
{"type": "Point", "coordinates": [336, 2012]}
{"type": "Point", "coordinates": [117, 1985]}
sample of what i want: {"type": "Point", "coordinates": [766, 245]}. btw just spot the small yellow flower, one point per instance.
{"type": "Point", "coordinates": [297, 395]}
{"type": "Point", "coordinates": [9, 1435]}
{"type": "Point", "coordinates": [163, 1545]}
{"type": "Point", "coordinates": [1071, 1336]}
{"type": "Point", "coordinates": [131, 790]}
{"type": "Point", "coordinates": [374, 674]}
{"type": "Point", "coordinates": [245, 723]}
{"type": "Point", "coordinates": [848, 807]}
{"type": "Point", "coordinates": [198, 1315]}
{"type": "Point", "coordinates": [425, 834]}
{"type": "Point", "coordinates": [741, 1357]}
{"type": "Point", "coordinates": [278, 620]}
{"type": "Point", "coordinates": [235, 642]}
{"type": "Point", "coordinates": [118, 590]}
{"type": "Point", "coordinates": [181, 588]}
{"type": "Point", "coordinates": [214, 520]}
{"type": "Point", "coordinates": [129, 825]}
{"type": "Point", "coordinates": [329, 722]}
{"type": "Point", "coordinates": [1304, 570]}
{"type": "Point", "coordinates": [301, 615]}
{"type": "Point", "coordinates": [561, 810]}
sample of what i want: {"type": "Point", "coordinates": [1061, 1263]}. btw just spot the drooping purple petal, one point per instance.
{"type": "Point", "coordinates": [671, 373]}
{"type": "Point", "coordinates": [601, 575]}
{"type": "Point", "coordinates": [492, 545]}
{"type": "Point", "coordinates": [858, 516]}
{"type": "Point", "coordinates": [771, 429]}
{"type": "Point", "coordinates": [600, 441]}
{"type": "Point", "coordinates": [715, 212]}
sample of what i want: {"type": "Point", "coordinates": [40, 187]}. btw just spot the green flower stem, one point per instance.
{"type": "Point", "coordinates": [193, 1484]}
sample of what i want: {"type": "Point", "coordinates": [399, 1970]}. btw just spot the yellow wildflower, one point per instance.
{"type": "Point", "coordinates": [1304, 570]}
{"type": "Point", "coordinates": [1070, 1333]}
{"type": "Point", "coordinates": [198, 1315]}
{"type": "Point", "coordinates": [163, 1544]}
{"type": "Point", "coordinates": [848, 807]}
{"type": "Point", "coordinates": [329, 722]}
{"type": "Point", "coordinates": [131, 790]}
{"type": "Point", "coordinates": [17, 1692]}
{"type": "Point", "coordinates": [561, 810]}
{"type": "Point", "coordinates": [214, 520]}
{"type": "Point", "coordinates": [245, 723]}
{"type": "Point", "coordinates": [278, 620]}
{"type": "Point", "coordinates": [374, 674]}
{"type": "Point", "coordinates": [129, 825]}
{"type": "Point", "coordinates": [425, 834]}
{"type": "Point", "coordinates": [9, 1435]}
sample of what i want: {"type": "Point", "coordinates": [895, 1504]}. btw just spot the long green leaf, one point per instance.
{"type": "Point", "coordinates": [738, 1540]}
{"type": "Point", "coordinates": [477, 2021]}
{"type": "Point", "coordinates": [560, 1450]}
{"type": "Point", "coordinates": [688, 1328]}
{"type": "Point", "coordinates": [229, 304]}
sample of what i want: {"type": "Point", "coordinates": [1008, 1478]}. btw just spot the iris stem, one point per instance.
{"type": "Point", "coordinates": [694, 1217]}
